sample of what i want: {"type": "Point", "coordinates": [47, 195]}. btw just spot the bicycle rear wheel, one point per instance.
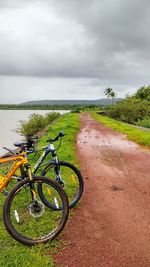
{"type": "Point", "coordinates": [31, 222]}
{"type": "Point", "coordinates": [72, 179]}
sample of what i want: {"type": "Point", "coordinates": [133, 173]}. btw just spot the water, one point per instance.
{"type": "Point", "coordinates": [9, 121]}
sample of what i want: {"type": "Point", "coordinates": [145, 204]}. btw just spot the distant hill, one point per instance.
{"type": "Point", "coordinates": [102, 101]}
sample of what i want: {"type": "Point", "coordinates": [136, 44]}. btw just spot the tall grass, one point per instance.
{"type": "Point", "coordinates": [36, 122]}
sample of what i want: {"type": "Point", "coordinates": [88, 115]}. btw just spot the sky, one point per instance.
{"type": "Point", "coordinates": [63, 49]}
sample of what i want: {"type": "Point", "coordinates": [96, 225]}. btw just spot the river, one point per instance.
{"type": "Point", "coordinates": [9, 122]}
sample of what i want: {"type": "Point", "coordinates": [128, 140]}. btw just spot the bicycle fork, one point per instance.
{"type": "Point", "coordinates": [32, 187]}
{"type": "Point", "coordinates": [58, 173]}
{"type": "Point", "coordinates": [36, 208]}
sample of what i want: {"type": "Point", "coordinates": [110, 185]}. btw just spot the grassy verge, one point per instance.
{"type": "Point", "coordinates": [69, 124]}
{"type": "Point", "coordinates": [144, 123]}
{"type": "Point", "coordinates": [15, 254]}
{"type": "Point", "coordinates": [137, 135]}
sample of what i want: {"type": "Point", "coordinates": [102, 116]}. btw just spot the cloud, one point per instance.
{"type": "Point", "coordinates": [37, 42]}
{"type": "Point", "coordinates": [104, 43]}
{"type": "Point", "coordinates": [34, 88]}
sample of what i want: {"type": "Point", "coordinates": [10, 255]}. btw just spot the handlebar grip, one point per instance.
{"type": "Point", "coordinates": [10, 150]}
{"type": "Point", "coordinates": [60, 134]}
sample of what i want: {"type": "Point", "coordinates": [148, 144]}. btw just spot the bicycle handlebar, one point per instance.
{"type": "Point", "coordinates": [60, 135]}
{"type": "Point", "coordinates": [10, 150]}
{"type": "Point", "coordinates": [29, 145]}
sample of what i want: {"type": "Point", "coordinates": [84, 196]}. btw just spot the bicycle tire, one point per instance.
{"type": "Point", "coordinates": [10, 220]}
{"type": "Point", "coordinates": [73, 170]}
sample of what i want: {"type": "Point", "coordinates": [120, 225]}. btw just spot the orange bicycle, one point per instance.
{"type": "Point", "coordinates": [26, 216]}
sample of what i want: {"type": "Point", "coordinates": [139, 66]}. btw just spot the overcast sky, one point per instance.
{"type": "Point", "coordinates": [72, 49]}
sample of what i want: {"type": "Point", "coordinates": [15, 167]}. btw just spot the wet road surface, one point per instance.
{"type": "Point", "coordinates": [111, 227]}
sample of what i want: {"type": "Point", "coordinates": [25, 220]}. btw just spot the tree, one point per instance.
{"type": "Point", "coordinates": [113, 95]}
{"type": "Point", "coordinates": [143, 93]}
{"type": "Point", "coordinates": [108, 91]}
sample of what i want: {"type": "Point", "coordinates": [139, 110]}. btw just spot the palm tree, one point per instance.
{"type": "Point", "coordinates": [113, 95]}
{"type": "Point", "coordinates": [108, 91]}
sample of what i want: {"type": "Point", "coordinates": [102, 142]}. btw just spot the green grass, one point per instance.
{"type": "Point", "coordinates": [69, 124]}
{"type": "Point", "coordinates": [139, 136]}
{"type": "Point", "coordinates": [15, 254]}
{"type": "Point", "coordinates": [144, 123]}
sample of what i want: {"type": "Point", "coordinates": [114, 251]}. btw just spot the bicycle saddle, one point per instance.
{"type": "Point", "coordinates": [21, 144]}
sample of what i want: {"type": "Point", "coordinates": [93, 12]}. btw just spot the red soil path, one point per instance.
{"type": "Point", "coordinates": [111, 227]}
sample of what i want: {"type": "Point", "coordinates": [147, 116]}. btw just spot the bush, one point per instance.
{"type": "Point", "coordinates": [143, 93]}
{"type": "Point", "coordinates": [130, 110]}
{"type": "Point", "coordinates": [145, 122]}
{"type": "Point", "coordinates": [36, 122]}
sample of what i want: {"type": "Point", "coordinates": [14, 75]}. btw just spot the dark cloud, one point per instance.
{"type": "Point", "coordinates": [104, 42]}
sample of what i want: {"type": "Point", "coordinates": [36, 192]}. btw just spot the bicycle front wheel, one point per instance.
{"type": "Point", "coordinates": [71, 178]}
{"type": "Point", "coordinates": [31, 222]}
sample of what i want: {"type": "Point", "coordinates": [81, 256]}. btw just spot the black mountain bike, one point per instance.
{"type": "Point", "coordinates": [64, 173]}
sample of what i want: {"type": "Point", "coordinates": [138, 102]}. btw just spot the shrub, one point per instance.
{"type": "Point", "coordinates": [145, 122]}
{"type": "Point", "coordinates": [130, 110]}
{"type": "Point", "coordinates": [35, 123]}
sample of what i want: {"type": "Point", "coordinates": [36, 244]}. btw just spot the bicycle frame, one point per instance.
{"type": "Point", "coordinates": [19, 160]}
{"type": "Point", "coordinates": [49, 149]}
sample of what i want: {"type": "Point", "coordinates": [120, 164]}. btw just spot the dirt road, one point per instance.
{"type": "Point", "coordinates": [111, 227]}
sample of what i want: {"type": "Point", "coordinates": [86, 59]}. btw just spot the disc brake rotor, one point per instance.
{"type": "Point", "coordinates": [36, 210]}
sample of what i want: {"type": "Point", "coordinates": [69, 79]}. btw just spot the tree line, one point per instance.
{"type": "Point", "coordinates": [134, 109]}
